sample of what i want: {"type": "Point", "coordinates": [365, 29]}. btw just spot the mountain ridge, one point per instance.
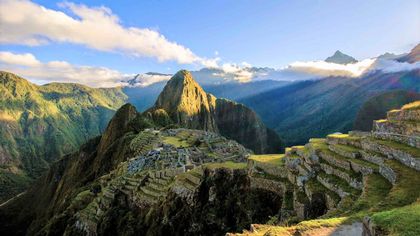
{"type": "Point", "coordinates": [40, 123]}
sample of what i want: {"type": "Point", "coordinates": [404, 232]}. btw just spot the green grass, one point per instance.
{"type": "Point", "coordinates": [376, 188]}
{"type": "Point", "coordinates": [400, 221]}
{"type": "Point", "coordinates": [366, 164]}
{"type": "Point", "coordinates": [356, 161]}
{"type": "Point", "coordinates": [313, 224]}
{"type": "Point", "coordinates": [351, 173]}
{"type": "Point", "coordinates": [317, 187]}
{"type": "Point", "coordinates": [343, 136]}
{"type": "Point", "coordinates": [347, 148]}
{"type": "Point", "coordinates": [342, 184]}
{"type": "Point", "coordinates": [176, 141]}
{"type": "Point", "coordinates": [228, 165]}
{"type": "Point", "coordinates": [275, 159]}
{"type": "Point", "coordinates": [406, 189]}
{"type": "Point", "coordinates": [413, 105]}
{"type": "Point", "coordinates": [415, 152]}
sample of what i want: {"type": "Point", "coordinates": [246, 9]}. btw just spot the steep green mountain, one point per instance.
{"type": "Point", "coordinates": [376, 107]}
{"type": "Point", "coordinates": [185, 103]}
{"type": "Point", "coordinates": [308, 109]}
{"type": "Point", "coordinates": [38, 124]}
{"type": "Point", "coordinates": [135, 180]}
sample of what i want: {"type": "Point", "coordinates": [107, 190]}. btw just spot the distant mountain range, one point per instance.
{"type": "Point", "coordinates": [236, 83]}
{"type": "Point", "coordinates": [338, 64]}
{"type": "Point", "coordinates": [144, 97]}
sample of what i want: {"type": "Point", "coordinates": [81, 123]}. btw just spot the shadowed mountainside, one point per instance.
{"type": "Point", "coordinates": [376, 107]}
{"type": "Point", "coordinates": [308, 109]}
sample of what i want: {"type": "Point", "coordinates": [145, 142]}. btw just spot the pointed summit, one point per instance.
{"type": "Point", "coordinates": [340, 58]}
{"type": "Point", "coordinates": [187, 103]}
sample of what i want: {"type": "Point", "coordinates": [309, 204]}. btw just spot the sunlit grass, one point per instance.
{"type": "Point", "coordinates": [400, 221]}
{"type": "Point", "coordinates": [275, 159]}
{"type": "Point", "coordinates": [227, 164]}
{"type": "Point", "coordinates": [175, 141]}
{"type": "Point", "coordinates": [413, 105]}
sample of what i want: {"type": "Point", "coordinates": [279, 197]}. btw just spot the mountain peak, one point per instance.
{"type": "Point", "coordinates": [186, 102]}
{"type": "Point", "coordinates": [183, 76]}
{"type": "Point", "coordinates": [340, 58]}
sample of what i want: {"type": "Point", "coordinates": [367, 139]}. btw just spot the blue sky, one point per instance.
{"type": "Point", "coordinates": [262, 33]}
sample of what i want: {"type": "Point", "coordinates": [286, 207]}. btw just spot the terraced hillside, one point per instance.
{"type": "Point", "coordinates": [353, 183]}
{"type": "Point", "coordinates": [166, 181]}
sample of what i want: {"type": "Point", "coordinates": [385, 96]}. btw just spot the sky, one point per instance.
{"type": "Point", "coordinates": [96, 42]}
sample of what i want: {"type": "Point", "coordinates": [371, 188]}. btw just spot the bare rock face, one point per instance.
{"type": "Point", "coordinates": [187, 103]}
{"type": "Point", "coordinates": [189, 106]}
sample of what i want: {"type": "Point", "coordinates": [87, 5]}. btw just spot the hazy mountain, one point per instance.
{"type": "Point", "coordinates": [184, 102]}
{"type": "Point", "coordinates": [413, 56]}
{"type": "Point", "coordinates": [237, 91]}
{"type": "Point", "coordinates": [340, 58]}
{"type": "Point", "coordinates": [38, 124]}
{"type": "Point", "coordinates": [144, 97]}
{"type": "Point", "coordinates": [315, 108]}
{"type": "Point", "coordinates": [389, 56]}
{"type": "Point", "coordinates": [149, 78]}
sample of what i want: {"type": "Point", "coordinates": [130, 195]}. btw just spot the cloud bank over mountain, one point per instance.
{"type": "Point", "coordinates": [28, 65]}
{"type": "Point", "coordinates": [24, 22]}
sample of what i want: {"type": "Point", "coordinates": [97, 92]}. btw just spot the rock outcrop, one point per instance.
{"type": "Point", "coordinates": [188, 105]}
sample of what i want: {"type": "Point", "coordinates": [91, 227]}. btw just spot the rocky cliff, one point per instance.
{"type": "Point", "coordinates": [188, 105]}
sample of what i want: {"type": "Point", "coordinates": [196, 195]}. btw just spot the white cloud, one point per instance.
{"type": "Point", "coordinates": [28, 66]}
{"type": "Point", "coordinates": [143, 80]}
{"type": "Point", "coordinates": [25, 22]}
{"type": "Point", "coordinates": [318, 69]}
{"type": "Point", "coordinates": [235, 72]}
{"type": "Point", "coordinates": [323, 69]}
{"type": "Point", "coordinates": [390, 66]}
{"type": "Point", "coordinates": [25, 59]}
